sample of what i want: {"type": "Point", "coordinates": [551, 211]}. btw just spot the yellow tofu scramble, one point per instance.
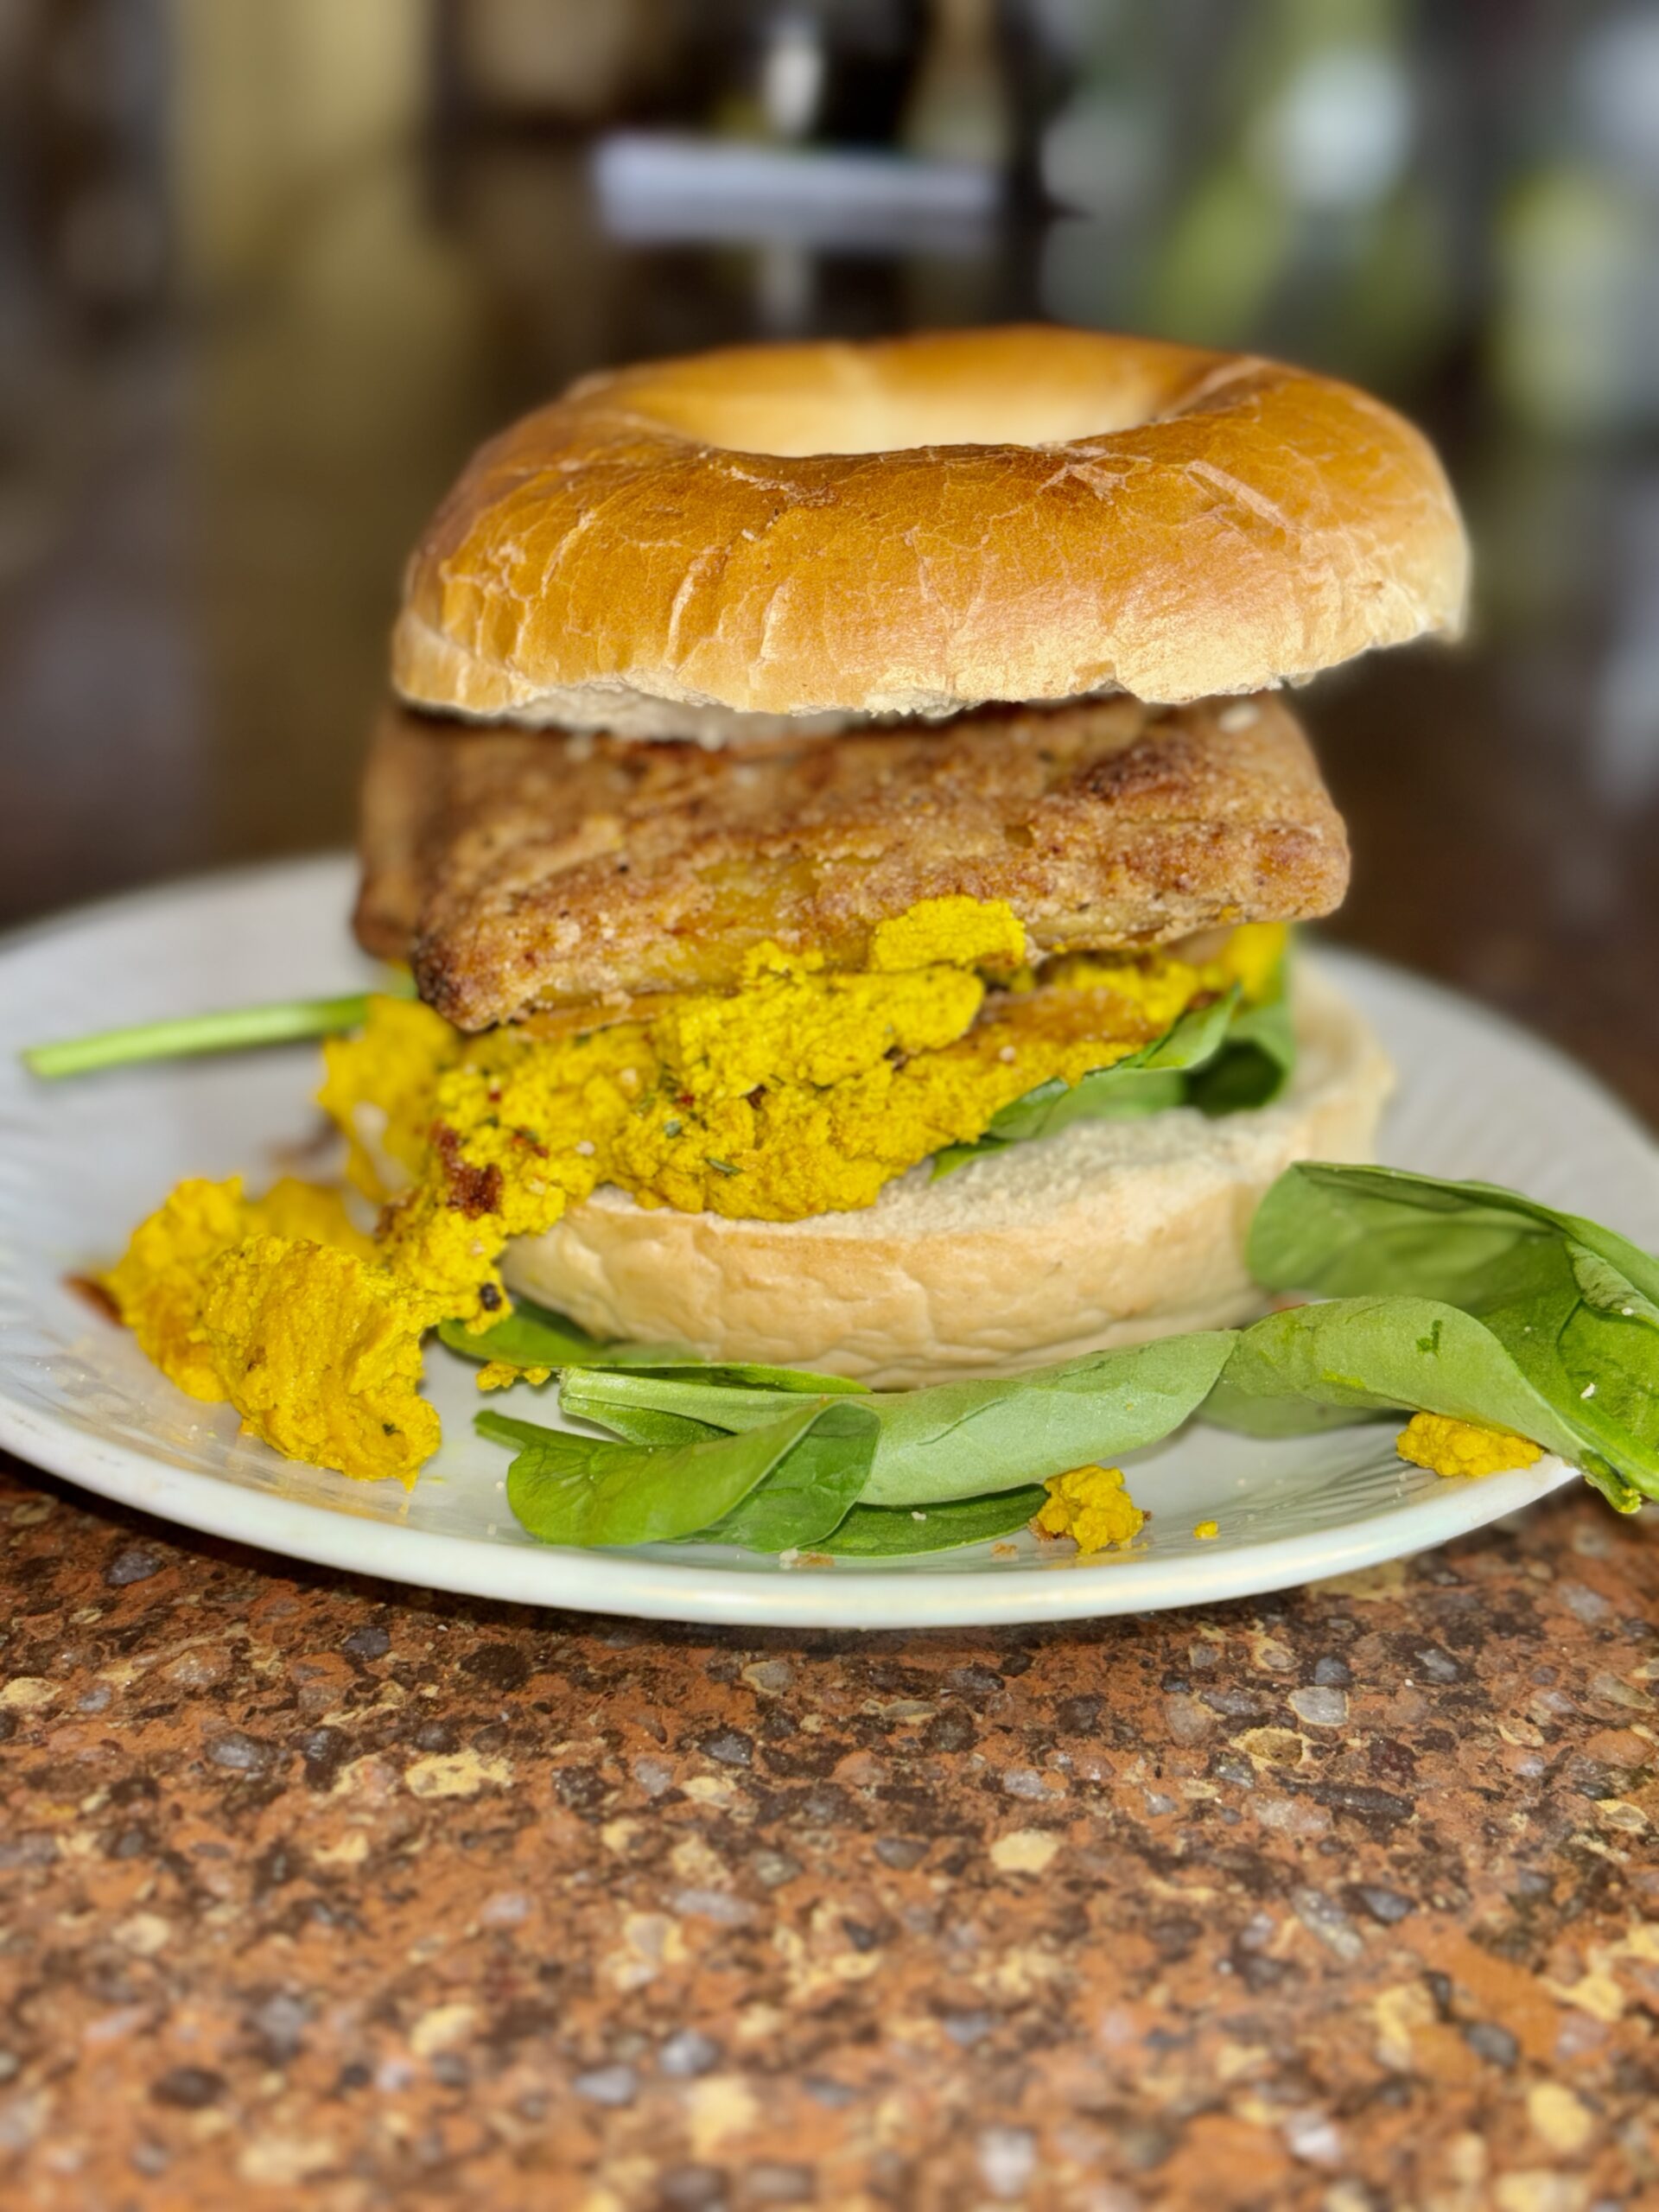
{"type": "Point", "coordinates": [1093, 1507]}
{"type": "Point", "coordinates": [1450, 1447]}
{"type": "Point", "coordinates": [804, 1091]}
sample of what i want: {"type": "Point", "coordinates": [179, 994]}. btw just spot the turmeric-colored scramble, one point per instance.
{"type": "Point", "coordinates": [802, 1092]}
{"type": "Point", "coordinates": [1446, 1446]}
{"type": "Point", "coordinates": [278, 1305]}
{"type": "Point", "coordinates": [1090, 1505]}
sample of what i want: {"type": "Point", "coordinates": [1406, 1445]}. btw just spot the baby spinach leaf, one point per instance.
{"type": "Point", "coordinates": [1255, 1061]}
{"type": "Point", "coordinates": [1456, 1298]}
{"type": "Point", "coordinates": [1377, 1354]}
{"type": "Point", "coordinates": [228, 1031]}
{"type": "Point", "coordinates": [644, 1425]}
{"type": "Point", "coordinates": [588, 1491]}
{"type": "Point", "coordinates": [1601, 1285]}
{"type": "Point", "coordinates": [750, 1375]}
{"type": "Point", "coordinates": [503, 1428]}
{"type": "Point", "coordinates": [900, 1532]}
{"type": "Point", "coordinates": [608, 1394]}
{"type": "Point", "coordinates": [532, 1336]}
{"type": "Point", "coordinates": [1572, 1303]}
{"type": "Point", "coordinates": [1146, 1082]}
{"type": "Point", "coordinates": [1222, 1058]}
{"type": "Point", "coordinates": [809, 1491]}
{"type": "Point", "coordinates": [1265, 1412]}
{"type": "Point", "coordinates": [963, 1440]}
{"type": "Point", "coordinates": [1620, 1492]}
{"type": "Point", "coordinates": [1335, 1229]}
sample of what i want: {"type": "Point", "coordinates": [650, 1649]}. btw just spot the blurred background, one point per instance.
{"type": "Point", "coordinates": [269, 267]}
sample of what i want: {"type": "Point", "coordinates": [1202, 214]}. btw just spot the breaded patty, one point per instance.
{"type": "Point", "coordinates": [522, 870]}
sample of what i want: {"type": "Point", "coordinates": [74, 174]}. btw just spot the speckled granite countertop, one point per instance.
{"type": "Point", "coordinates": [327, 1892]}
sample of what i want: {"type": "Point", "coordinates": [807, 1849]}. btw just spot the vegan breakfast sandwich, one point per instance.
{"type": "Point", "coordinates": [804, 908]}
{"type": "Point", "coordinates": [843, 819]}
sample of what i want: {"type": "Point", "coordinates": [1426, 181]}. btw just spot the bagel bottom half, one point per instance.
{"type": "Point", "coordinates": [1111, 1233]}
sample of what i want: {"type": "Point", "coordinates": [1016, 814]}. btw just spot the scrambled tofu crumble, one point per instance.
{"type": "Point", "coordinates": [320, 1355]}
{"type": "Point", "coordinates": [501, 1374]}
{"type": "Point", "coordinates": [159, 1285]}
{"type": "Point", "coordinates": [1092, 1505]}
{"type": "Point", "coordinates": [802, 1092]}
{"type": "Point", "coordinates": [277, 1305]}
{"type": "Point", "coordinates": [1452, 1448]}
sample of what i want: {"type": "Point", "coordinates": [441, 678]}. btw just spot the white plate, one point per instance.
{"type": "Point", "coordinates": [80, 1162]}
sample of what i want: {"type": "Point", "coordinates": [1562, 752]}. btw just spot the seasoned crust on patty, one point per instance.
{"type": "Point", "coordinates": [525, 870]}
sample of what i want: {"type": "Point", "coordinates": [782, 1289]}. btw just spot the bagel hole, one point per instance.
{"type": "Point", "coordinates": [794, 425]}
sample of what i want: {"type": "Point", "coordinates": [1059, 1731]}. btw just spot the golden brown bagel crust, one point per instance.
{"type": "Point", "coordinates": [918, 526]}
{"type": "Point", "coordinates": [524, 870]}
{"type": "Point", "coordinates": [1109, 1234]}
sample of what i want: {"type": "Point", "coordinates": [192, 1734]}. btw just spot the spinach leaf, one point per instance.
{"type": "Point", "coordinates": [1143, 1083]}
{"type": "Point", "coordinates": [644, 1425]}
{"type": "Point", "coordinates": [809, 1492]}
{"type": "Point", "coordinates": [601, 1394]}
{"type": "Point", "coordinates": [530, 1336]}
{"type": "Point", "coordinates": [963, 1439]}
{"type": "Point", "coordinates": [1222, 1058]}
{"type": "Point", "coordinates": [1257, 1060]}
{"type": "Point", "coordinates": [502, 1428]}
{"type": "Point", "coordinates": [750, 1375]}
{"type": "Point", "coordinates": [1574, 1306]}
{"type": "Point", "coordinates": [1323, 1225]}
{"type": "Point", "coordinates": [1146, 1082]}
{"type": "Point", "coordinates": [1455, 1299]}
{"type": "Point", "coordinates": [583, 1490]}
{"type": "Point", "coordinates": [1380, 1354]}
{"type": "Point", "coordinates": [588, 1491]}
{"type": "Point", "coordinates": [899, 1532]}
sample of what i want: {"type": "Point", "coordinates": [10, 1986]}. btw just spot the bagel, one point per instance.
{"type": "Point", "coordinates": [1108, 1233]}
{"type": "Point", "coordinates": [739, 543]}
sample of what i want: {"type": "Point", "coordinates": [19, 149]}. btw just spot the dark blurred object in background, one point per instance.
{"type": "Point", "coordinates": [83, 93]}
{"type": "Point", "coordinates": [269, 267]}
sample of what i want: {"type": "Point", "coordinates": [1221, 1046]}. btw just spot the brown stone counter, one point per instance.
{"type": "Point", "coordinates": [325, 1891]}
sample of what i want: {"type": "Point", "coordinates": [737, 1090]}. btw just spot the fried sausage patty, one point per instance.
{"type": "Point", "coordinates": [521, 870]}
